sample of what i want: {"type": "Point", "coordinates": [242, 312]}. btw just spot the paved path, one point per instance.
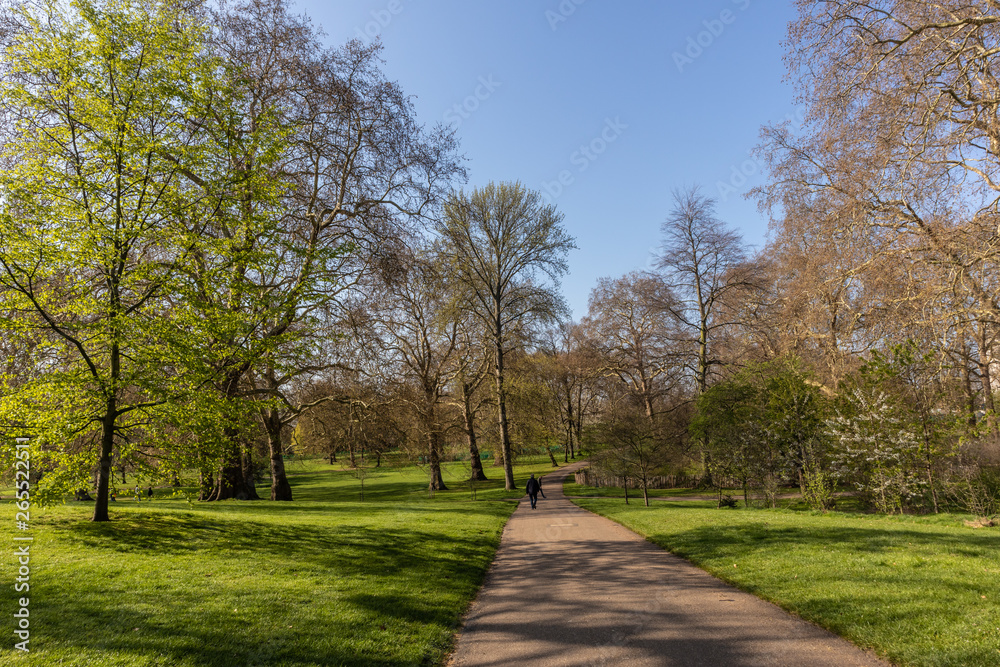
{"type": "Point", "coordinates": [571, 588]}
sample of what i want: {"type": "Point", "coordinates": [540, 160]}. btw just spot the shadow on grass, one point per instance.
{"type": "Point", "coordinates": [143, 638]}
{"type": "Point", "coordinates": [340, 585]}
{"type": "Point", "coordinates": [734, 540]}
{"type": "Point", "coordinates": [166, 533]}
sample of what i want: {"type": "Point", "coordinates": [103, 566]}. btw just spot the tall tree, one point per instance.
{"type": "Point", "coordinates": [502, 241]}
{"type": "Point", "coordinates": [901, 144]}
{"type": "Point", "coordinates": [419, 341]}
{"type": "Point", "coordinates": [472, 364]}
{"type": "Point", "coordinates": [632, 322]}
{"type": "Point", "coordinates": [352, 168]}
{"type": "Point", "coordinates": [703, 262]}
{"type": "Point", "coordinates": [96, 96]}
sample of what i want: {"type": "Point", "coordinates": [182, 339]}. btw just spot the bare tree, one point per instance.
{"type": "Point", "coordinates": [901, 143]}
{"type": "Point", "coordinates": [703, 262]}
{"type": "Point", "coordinates": [472, 362]}
{"type": "Point", "coordinates": [348, 170]}
{"type": "Point", "coordinates": [419, 340]}
{"type": "Point", "coordinates": [500, 241]}
{"type": "Point", "coordinates": [632, 322]}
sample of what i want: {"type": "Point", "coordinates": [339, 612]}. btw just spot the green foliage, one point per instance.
{"type": "Point", "coordinates": [94, 219]}
{"type": "Point", "coordinates": [764, 425]}
{"type": "Point", "coordinates": [895, 432]}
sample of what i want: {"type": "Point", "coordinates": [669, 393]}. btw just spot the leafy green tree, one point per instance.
{"type": "Point", "coordinates": [764, 424]}
{"type": "Point", "coordinates": [631, 445]}
{"type": "Point", "coordinates": [97, 98]}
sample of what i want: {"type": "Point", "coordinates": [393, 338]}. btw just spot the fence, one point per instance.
{"type": "Point", "coordinates": [590, 477]}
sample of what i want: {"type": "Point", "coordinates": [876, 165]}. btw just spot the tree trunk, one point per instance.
{"type": "Point", "coordinates": [970, 394]}
{"type": "Point", "coordinates": [929, 454]}
{"type": "Point", "coordinates": [104, 472]}
{"type": "Point", "coordinates": [280, 488]}
{"type": "Point", "coordinates": [246, 463]}
{"type": "Point", "coordinates": [986, 374]}
{"type": "Point", "coordinates": [569, 425]}
{"type": "Point", "coordinates": [231, 481]}
{"type": "Point", "coordinates": [433, 457]}
{"type": "Point", "coordinates": [579, 424]}
{"type": "Point", "coordinates": [508, 467]}
{"type": "Point", "coordinates": [206, 482]}
{"type": "Point", "coordinates": [475, 461]}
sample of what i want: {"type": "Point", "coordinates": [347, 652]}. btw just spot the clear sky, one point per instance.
{"type": "Point", "coordinates": [603, 106]}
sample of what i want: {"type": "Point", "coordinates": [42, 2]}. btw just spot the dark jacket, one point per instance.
{"type": "Point", "coordinates": [534, 487]}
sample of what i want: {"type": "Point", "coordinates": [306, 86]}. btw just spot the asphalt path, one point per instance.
{"type": "Point", "coordinates": [571, 588]}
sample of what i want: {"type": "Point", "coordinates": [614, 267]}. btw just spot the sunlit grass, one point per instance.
{"type": "Point", "coordinates": [324, 580]}
{"type": "Point", "coordinates": [921, 590]}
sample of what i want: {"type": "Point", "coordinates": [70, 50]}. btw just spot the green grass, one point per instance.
{"type": "Point", "coordinates": [918, 590]}
{"type": "Point", "coordinates": [324, 580]}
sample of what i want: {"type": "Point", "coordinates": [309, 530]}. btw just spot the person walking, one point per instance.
{"type": "Point", "coordinates": [534, 488]}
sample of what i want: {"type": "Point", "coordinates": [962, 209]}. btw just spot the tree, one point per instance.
{"type": "Point", "coordinates": [630, 318]}
{"type": "Point", "coordinates": [900, 149]}
{"type": "Point", "coordinates": [567, 370]}
{"type": "Point", "coordinates": [703, 262]}
{"type": "Point", "coordinates": [472, 370]}
{"type": "Point", "coordinates": [924, 405]}
{"type": "Point", "coordinates": [630, 445]}
{"type": "Point", "coordinates": [765, 424]}
{"type": "Point", "coordinates": [350, 171]}
{"type": "Point", "coordinates": [95, 98]}
{"type": "Point", "coordinates": [418, 340]}
{"type": "Point", "coordinates": [500, 241]}
{"type": "Point", "coordinates": [874, 451]}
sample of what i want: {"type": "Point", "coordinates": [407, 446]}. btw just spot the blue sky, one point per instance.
{"type": "Point", "coordinates": [603, 106]}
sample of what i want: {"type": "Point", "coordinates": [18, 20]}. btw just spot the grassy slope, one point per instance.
{"type": "Point", "coordinates": [325, 580]}
{"type": "Point", "coordinates": [919, 590]}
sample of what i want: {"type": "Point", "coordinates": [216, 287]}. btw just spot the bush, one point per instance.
{"type": "Point", "coordinates": [976, 489]}
{"type": "Point", "coordinates": [728, 502]}
{"type": "Point", "coordinates": [818, 489]}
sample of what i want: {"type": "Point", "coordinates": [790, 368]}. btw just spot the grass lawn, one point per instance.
{"type": "Point", "coordinates": [324, 580]}
{"type": "Point", "coordinates": [919, 590]}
